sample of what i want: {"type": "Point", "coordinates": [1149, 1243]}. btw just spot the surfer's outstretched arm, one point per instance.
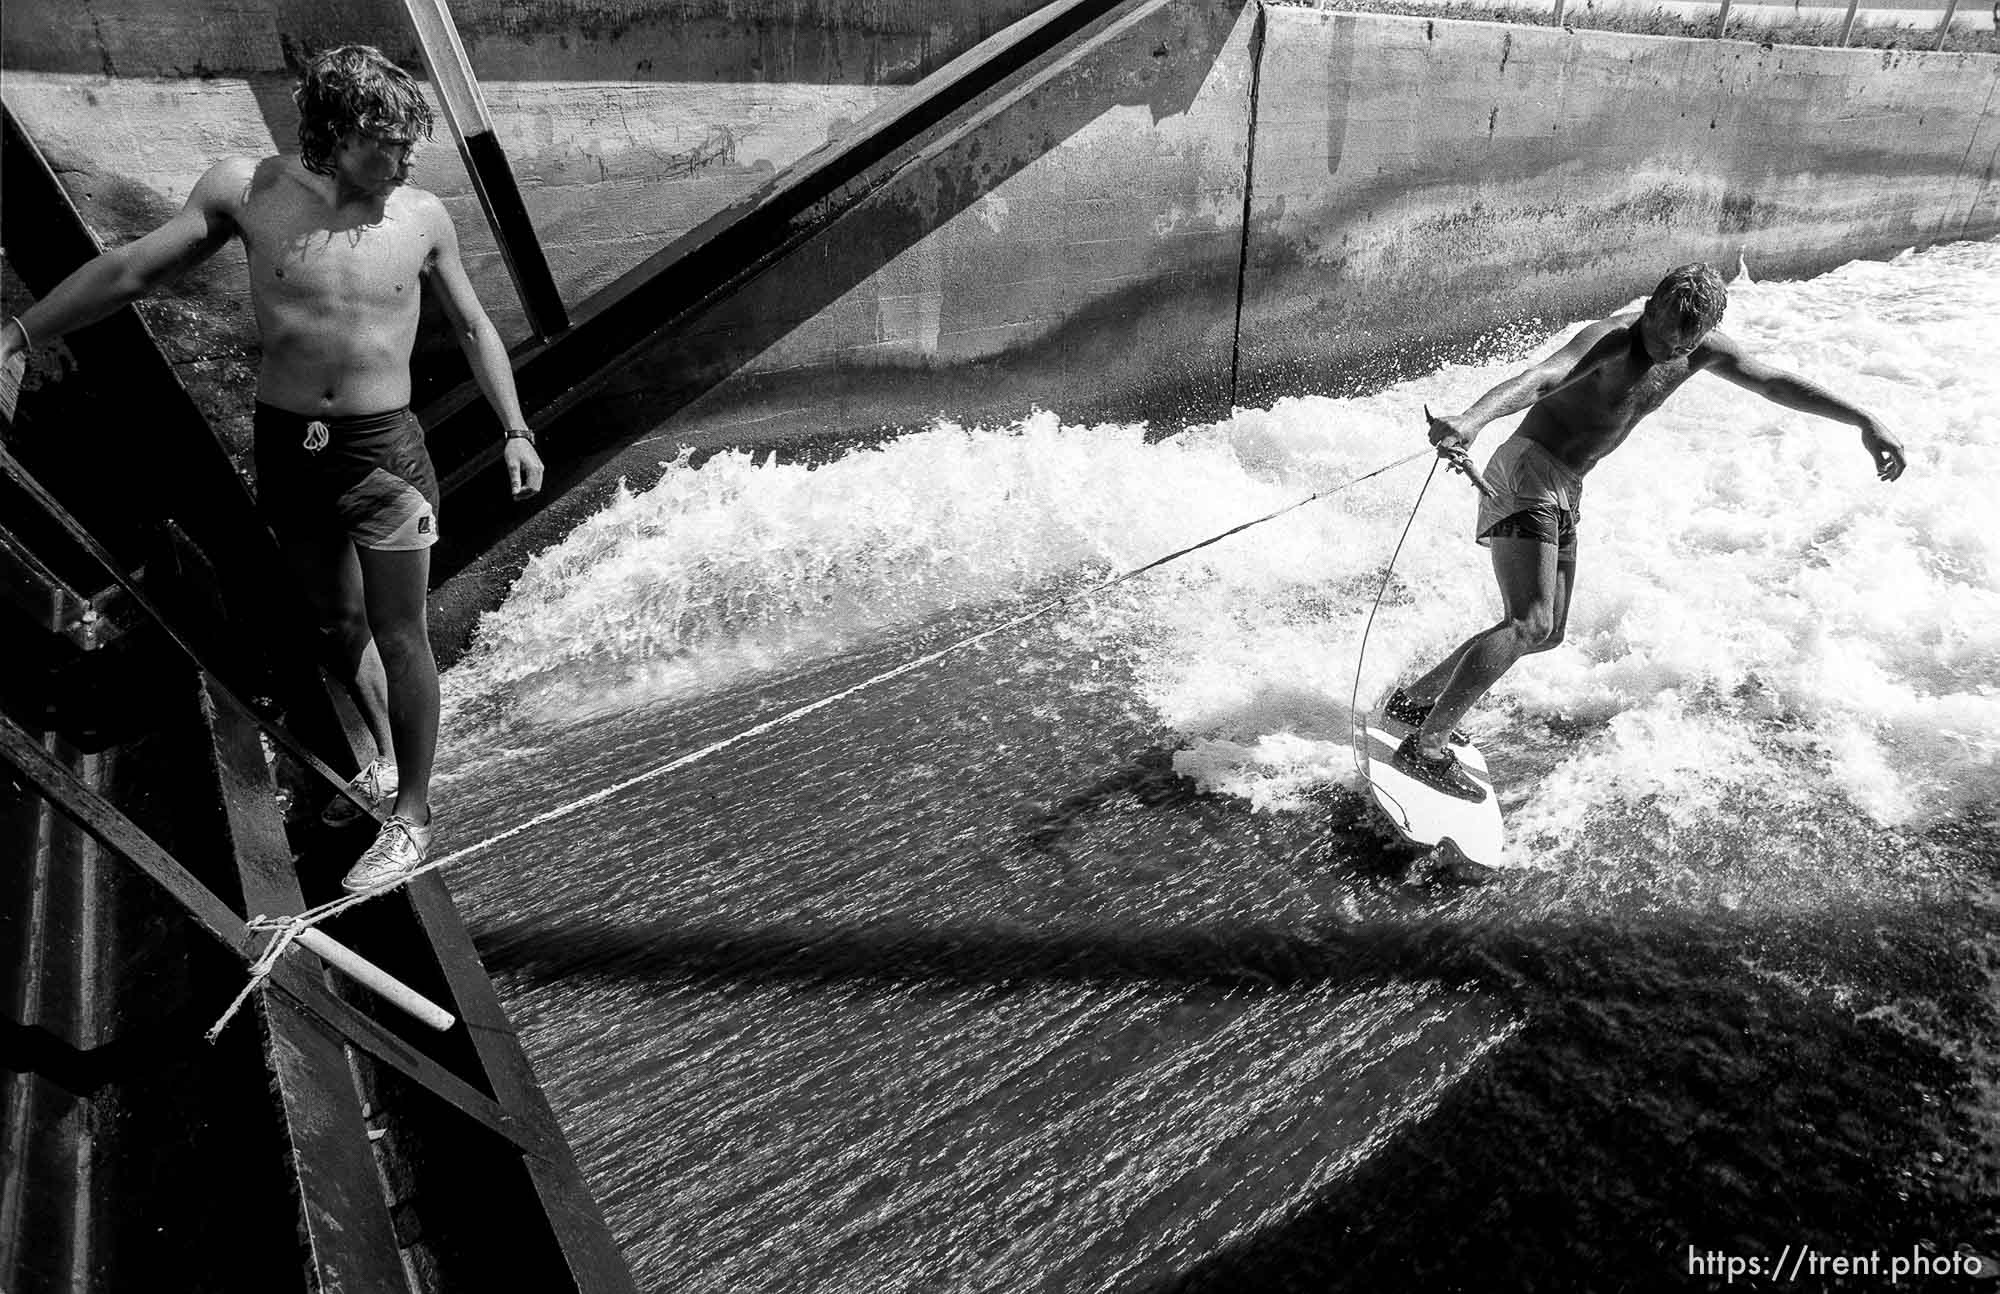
{"type": "Point", "coordinates": [1724, 358]}
{"type": "Point", "coordinates": [1579, 358]}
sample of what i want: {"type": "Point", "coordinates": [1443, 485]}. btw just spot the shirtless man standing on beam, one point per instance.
{"type": "Point", "coordinates": [1582, 402]}
{"type": "Point", "coordinates": [340, 249]}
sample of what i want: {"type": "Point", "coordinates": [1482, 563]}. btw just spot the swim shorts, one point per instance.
{"type": "Point", "coordinates": [367, 476]}
{"type": "Point", "coordinates": [1536, 496]}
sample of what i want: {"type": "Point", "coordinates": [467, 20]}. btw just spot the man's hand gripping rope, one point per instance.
{"type": "Point", "coordinates": [1454, 454]}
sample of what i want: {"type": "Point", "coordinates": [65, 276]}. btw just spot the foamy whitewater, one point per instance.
{"type": "Point", "coordinates": [1078, 960]}
{"type": "Point", "coordinates": [1758, 620]}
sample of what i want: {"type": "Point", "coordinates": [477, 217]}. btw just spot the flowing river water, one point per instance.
{"type": "Point", "coordinates": [1077, 960]}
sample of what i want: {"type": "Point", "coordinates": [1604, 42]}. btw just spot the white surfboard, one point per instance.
{"type": "Point", "coordinates": [1430, 817]}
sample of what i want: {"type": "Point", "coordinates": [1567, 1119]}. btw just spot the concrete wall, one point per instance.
{"type": "Point", "coordinates": [1073, 243]}
{"type": "Point", "coordinates": [626, 125]}
{"type": "Point", "coordinates": [610, 172]}
{"type": "Point", "coordinates": [1415, 185]}
{"type": "Point", "coordinates": [813, 42]}
{"type": "Point", "coordinates": [1419, 183]}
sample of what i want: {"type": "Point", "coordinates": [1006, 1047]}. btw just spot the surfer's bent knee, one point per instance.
{"type": "Point", "coordinates": [1549, 642]}
{"type": "Point", "coordinates": [1535, 629]}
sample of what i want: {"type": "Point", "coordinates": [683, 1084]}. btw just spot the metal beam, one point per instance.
{"type": "Point", "coordinates": [465, 112]}
{"type": "Point", "coordinates": [270, 883]}
{"type": "Point", "coordinates": [121, 836]}
{"type": "Point", "coordinates": [573, 1214]}
{"type": "Point", "coordinates": [1944, 27]}
{"type": "Point", "coordinates": [668, 296]}
{"type": "Point", "coordinates": [53, 508]}
{"type": "Point", "coordinates": [343, 1211]}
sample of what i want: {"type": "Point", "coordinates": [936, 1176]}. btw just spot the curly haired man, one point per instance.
{"type": "Point", "coordinates": [340, 248]}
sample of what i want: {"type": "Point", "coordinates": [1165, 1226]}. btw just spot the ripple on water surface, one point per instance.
{"type": "Point", "coordinates": [1076, 961]}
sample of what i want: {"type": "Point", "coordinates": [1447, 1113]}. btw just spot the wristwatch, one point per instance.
{"type": "Point", "coordinates": [521, 433]}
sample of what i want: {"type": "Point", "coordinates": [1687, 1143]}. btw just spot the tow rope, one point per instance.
{"type": "Point", "coordinates": [286, 929]}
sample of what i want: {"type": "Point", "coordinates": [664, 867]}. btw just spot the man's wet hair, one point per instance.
{"type": "Point", "coordinates": [1695, 294]}
{"type": "Point", "coordinates": [355, 88]}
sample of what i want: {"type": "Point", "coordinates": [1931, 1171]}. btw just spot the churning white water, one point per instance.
{"type": "Point", "coordinates": [1754, 609]}
{"type": "Point", "coordinates": [1077, 961]}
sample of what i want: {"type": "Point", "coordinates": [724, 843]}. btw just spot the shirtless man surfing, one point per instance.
{"type": "Point", "coordinates": [1582, 402]}
{"type": "Point", "coordinates": [340, 250]}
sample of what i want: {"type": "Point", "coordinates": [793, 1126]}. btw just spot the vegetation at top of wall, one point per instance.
{"type": "Point", "coordinates": [1745, 23]}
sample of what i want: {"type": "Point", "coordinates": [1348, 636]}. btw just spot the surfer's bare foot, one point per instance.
{"type": "Point", "coordinates": [1441, 772]}
{"type": "Point", "coordinates": [1403, 709]}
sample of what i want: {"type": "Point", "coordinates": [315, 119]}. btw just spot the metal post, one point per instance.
{"type": "Point", "coordinates": [465, 111]}
{"type": "Point", "coordinates": [1722, 24]}
{"type": "Point", "coordinates": [1559, 13]}
{"type": "Point", "coordinates": [1944, 28]}
{"type": "Point", "coordinates": [1847, 27]}
{"type": "Point", "coordinates": [380, 982]}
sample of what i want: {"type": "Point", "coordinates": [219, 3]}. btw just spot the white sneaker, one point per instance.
{"type": "Point", "coordinates": [399, 850]}
{"type": "Point", "coordinates": [376, 784]}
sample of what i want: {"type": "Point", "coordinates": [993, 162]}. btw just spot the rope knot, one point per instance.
{"type": "Point", "coordinates": [284, 931]}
